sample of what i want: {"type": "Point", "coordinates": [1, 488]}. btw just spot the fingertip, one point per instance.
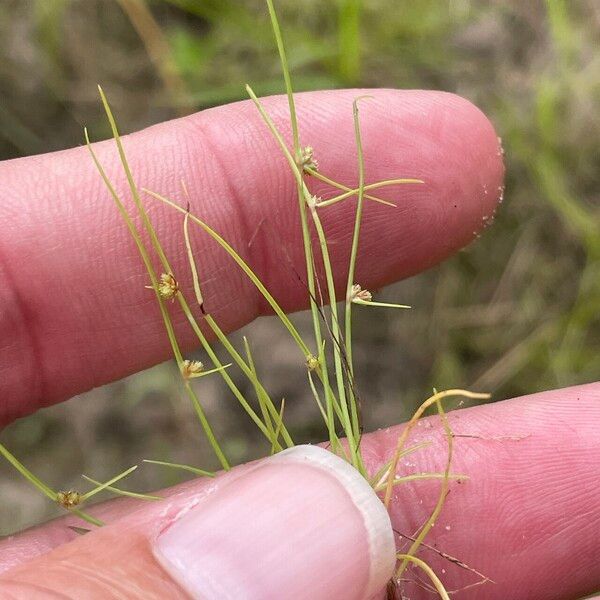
{"type": "Point", "coordinates": [471, 167]}
{"type": "Point", "coordinates": [438, 137]}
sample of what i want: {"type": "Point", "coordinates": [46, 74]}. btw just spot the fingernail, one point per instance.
{"type": "Point", "coordinates": [301, 524]}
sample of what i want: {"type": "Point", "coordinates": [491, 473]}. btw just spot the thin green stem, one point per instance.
{"type": "Point", "coordinates": [435, 580]}
{"type": "Point", "coordinates": [380, 304]}
{"type": "Point", "coordinates": [286, 76]}
{"type": "Point", "coordinates": [352, 267]}
{"type": "Point", "coordinates": [264, 427]}
{"type": "Point", "coordinates": [248, 372]}
{"type": "Point", "coordinates": [243, 265]}
{"type": "Point", "coordinates": [303, 193]}
{"type": "Point", "coordinates": [353, 191]}
{"type": "Point", "coordinates": [103, 486]}
{"type": "Point", "coordinates": [443, 492]}
{"type": "Point", "coordinates": [42, 487]}
{"type": "Point", "coordinates": [140, 246]}
{"type": "Point", "coordinates": [420, 477]}
{"type": "Point", "coordinates": [149, 267]}
{"type": "Point", "coordinates": [331, 402]}
{"type": "Point", "coordinates": [381, 475]}
{"type": "Point", "coordinates": [115, 490]}
{"type": "Point", "coordinates": [315, 394]}
{"type": "Point", "coordinates": [275, 445]}
{"type": "Point", "coordinates": [372, 186]}
{"type": "Point", "coordinates": [337, 344]}
{"type": "Point", "coordinates": [194, 470]}
{"type": "Point", "coordinates": [191, 261]}
{"type": "Point", "coordinates": [132, 185]}
{"type": "Point", "coordinates": [208, 431]}
{"type": "Point", "coordinates": [86, 517]}
{"type": "Point", "coordinates": [26, 473]}
{"type": "Point", "coordinates": [409, 426]}
{"type": "Point", "coordinates": [258, 390]}
{"type": "Point", "coordinates": [209, 372]}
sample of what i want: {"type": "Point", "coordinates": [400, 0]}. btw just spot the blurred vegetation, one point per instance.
{"type": "Point", "coordinates": [514, 313]}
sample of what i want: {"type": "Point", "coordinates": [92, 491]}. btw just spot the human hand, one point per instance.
{"type": "Point", "coordinates": [75, 314]}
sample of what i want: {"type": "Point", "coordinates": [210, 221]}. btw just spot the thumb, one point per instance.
{"type": "Point", "coordinates": [300, 524]}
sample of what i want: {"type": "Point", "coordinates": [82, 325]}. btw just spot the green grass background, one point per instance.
{"type": "Point", "coordinates": [516, 312]}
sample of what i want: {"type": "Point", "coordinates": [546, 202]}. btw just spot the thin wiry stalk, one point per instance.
{"type": "Point", "coordinates": [120, 492]}
{"type": "Point", "coordinates": [255, 382]}
{"type": "Point", "coordinates": [380, 304]}
{"type": "Point", "coordinates": [371, 186]}
{"type": "Point", "coordinates": [306, 237]}
{"type": "Point", "coordinates": [191, 261]}
{"type": "Point", "coordinates": [419, 477]}
{"type": "Point", "coordinates": [250, 373]}
{"type": "Point", "coordinates": [208, 431]}
{"type": "Point", "coordinates": [352, 265]}
{"type": "Point", "coordinates": [258, 390]}
{"type": "Point", "coordinates": [276, 444]}
{"type": "Point", "coordinates": [194, 470]}
{"type": "Point", "coordinates": [26, 473]}
{"type": "Point", "coordinates": [86, 517]}
{"type": "Point", "coordinates": [353, 191]}
{"type": "Point", "coordinates": [307, 200]}
{"type": "Point", "coordinates": [151, 272]}
{"type": "Point", "coordinates": [315, 394]}
{"type": "Point", "coordinates": [286, 76]}
{"type": "Point", "coordinates": [435, 580]}
{"type": "Point", "coordinates": [331, 403]}
{"type": "Point", "coordinates": [337, 342]}
{"type": "Point", "coordinates": [102, 486]}
{"type": "Point", "coordinates": [409, 426]}
{"type": "Point", "coordinates": [443, 492]}
{"type": "Point", "coordinates": [140, 246]}
{"type": "Point", "coordinates": [186, 309]}
{"type": "Point", "coordinates": [381, 475]}
{"type": "Point", "coordinates": [42, 487]}
{"type": "Point", "coordinates": [243, 265]}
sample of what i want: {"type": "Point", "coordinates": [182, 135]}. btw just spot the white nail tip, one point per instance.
{"type": "Point", "coordinates": [222, 548]}
{"type": "Point", "coordinates": [378, 526]}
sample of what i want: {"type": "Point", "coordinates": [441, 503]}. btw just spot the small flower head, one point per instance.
{"type": "Point", "coordinates": [68, 499]}
{"type": "Point", "coordinates": [358, 293]}
{"type": "Point", "coordinates": [168, 286]}
{"type": "Point", "coordinates": [307, 160]}
{"type": "Point", "coordinates": [312, 362]}
{"type": "Point", "coordinates": [191, 368]}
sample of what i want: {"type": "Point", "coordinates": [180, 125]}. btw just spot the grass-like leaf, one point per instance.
{"type": "Point", "coordinates": [189, 468]}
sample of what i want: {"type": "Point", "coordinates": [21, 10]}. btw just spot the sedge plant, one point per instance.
{"type": "Point", "coordinates": [327, 358]}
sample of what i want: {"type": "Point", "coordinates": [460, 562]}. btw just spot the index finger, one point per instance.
{"type": "Point", "coordinates": [75, 312]}
{"type": "Point", "coordinates": [526, 516]}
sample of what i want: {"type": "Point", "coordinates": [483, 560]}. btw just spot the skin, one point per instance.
{"type": "Point", "coordinates": [529, 515]}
